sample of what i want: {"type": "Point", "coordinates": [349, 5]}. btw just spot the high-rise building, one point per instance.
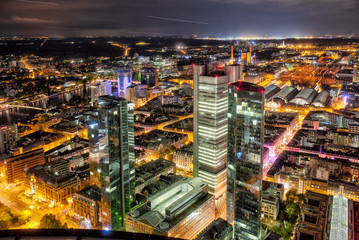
{"type": "Point", "coordinates": [100, 89]}
{"type": "Point", "coordinates": [117, 160]}
{"type": "Point", "coordinates": [124, 79]}
{"type": "Point", "coordinates": [149, 76]}
{"type": "Point", "coordinates": [210, 132]}
{"type": "Point", "coordinates": [8, 137]}
{"type": "Point", "coordinates": [245, 158]}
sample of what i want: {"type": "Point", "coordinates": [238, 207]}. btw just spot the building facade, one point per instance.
{"type": "Point", "coordinates": [100, 89]}
{"type": "Point", "coordinates": [149, 76]}
{"type": "Point", "coordinates": [245, 158]}
{"type": "Point", "coordinates": [17, 165]}
{"type": "Point", "coordinates": [8, 137]}
{"type": "Point", "coordinates": [86, 204]}
{"type": "Point", "coordinates": [210, 132]}
{"type": "Point", "coordinates": [117, 160]}
{"type": "Point", "coordinates": [47, 182]}
{"type": "Point", "coordinates": [124, 79]}
{"type": "Point", "coordinates": [181, 210]}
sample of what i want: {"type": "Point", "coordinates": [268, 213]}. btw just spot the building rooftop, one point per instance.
{"type": "Point", "coordinates": [271, 134]}
{"type": "Point", "coordinates": [219, 229]}
{"type": "Point", "coordinates": [45, 173]}
{"type": "Point", "coordinates": [240, 85]}
{"type": "Point", "coordinates": [165, 209]}
{"type": "Point", "coordinates": [92, 192]}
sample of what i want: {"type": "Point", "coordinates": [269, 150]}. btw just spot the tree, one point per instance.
{"type": "Point", "coordinates": [4, 225]}
{"type": "Point", "coordinates": [291, 195]}
{"type": "Point", "coordinates": [50, 221]}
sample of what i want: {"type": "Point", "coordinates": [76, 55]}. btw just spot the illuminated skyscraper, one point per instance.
{"type": "Point", "coordinates": [117, 160]}
{"type": "Point", "coordinates": [245, 158]}
{"type": "Point", "coordinates": [210, 132]}
{"type": "Point", "coordinates": [124, 79]}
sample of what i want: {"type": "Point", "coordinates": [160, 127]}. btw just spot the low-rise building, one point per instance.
{"type": "Point", "coordinates": [54, 182]}
{"type": "Point", "coordinates": [183, 159]}
{"type": "Point", "coordinates": [86, 204]}
{"type": "Point", "coordinates": [273, 138]}
{"type": "Point", "coordinates": [312, 223]}
{"type": "Point", "coordinates": [74, 147]}
{"type": "Point", "coordinates": [272, 194]}
{"type": "Point", "coordinates": [17, 165]}
{"type": "Point", "coordinates": [181, 210]}
{"type": "Point", "coordinates": [220, 229]}
{"type": "Point", "coordinates": [8, 137]}
{"type": "Point", "coordinates": [148, 173]}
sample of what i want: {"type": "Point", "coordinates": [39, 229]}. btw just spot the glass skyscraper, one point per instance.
{"type": "Point", "coordinates": [245, 159]}
{"type": "Point", "coordinates": [117, 160]}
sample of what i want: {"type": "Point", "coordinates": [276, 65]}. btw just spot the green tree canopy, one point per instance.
{"type": "Point", "coordinates": [50, 221]}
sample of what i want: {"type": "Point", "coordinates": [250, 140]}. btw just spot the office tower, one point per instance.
{"type": "Point", "coordinates": [8, 137]}
{"type": "Point", "coordinates": [210, 132]}
{"type": "Point", "coordinates": [181, 210]}
{"type": "Point", "coordinates": [124, 79]}
{"type": "Point", "coordinates": [233, 73]}
{"type": "Point", "coordinates": [149, 76]}
{"type": "Point", "coordinates": [93, 131]}
{"type": "Point", "coordinates": [245, 158]}
{"type": "Point", "coordinates": [100, 89]}
{"type": "Point", "coordinates": [117, 160]}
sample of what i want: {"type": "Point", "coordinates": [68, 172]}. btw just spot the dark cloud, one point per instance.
{"type": "Point", "coordinates": [224, 17]}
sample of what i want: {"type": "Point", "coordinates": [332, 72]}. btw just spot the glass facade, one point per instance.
{"type": "Point", "coordinates": [124, 80]}
{"type": "Point", "coordinates": [117, 160]}
{"type": "Point", "coordinates": [245, 159]}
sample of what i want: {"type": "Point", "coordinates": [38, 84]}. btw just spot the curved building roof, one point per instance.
{"type": "Point", "coordinates": [305, 96]}
{"type": "Point", "coordinates": [270, 90]}
{"type": "Point", "coordinates": [321, 99]}
{"type": "Point", "coordinates": [285, 95]}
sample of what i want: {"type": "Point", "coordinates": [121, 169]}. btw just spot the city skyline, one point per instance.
{"type": "Point", "coordinates": [232, 18]}
{"type": "Point", "coordinates": [201, 120]}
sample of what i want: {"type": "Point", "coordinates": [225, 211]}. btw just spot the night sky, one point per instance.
{"type": "Point", "coordinates": [223, 18]}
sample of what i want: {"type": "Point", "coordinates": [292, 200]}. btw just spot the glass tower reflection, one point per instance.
{"type": "Point", "coordinates": [117, 160]}
{"type": "Point", "coordinates": [245, 158]}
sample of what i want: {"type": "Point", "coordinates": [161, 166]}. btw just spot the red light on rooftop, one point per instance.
{"type": "Point", "coordinates": [216, 76]}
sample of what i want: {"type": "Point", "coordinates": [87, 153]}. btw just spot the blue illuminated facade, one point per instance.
{"type": "Point", "coordinates": [124, 79]}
